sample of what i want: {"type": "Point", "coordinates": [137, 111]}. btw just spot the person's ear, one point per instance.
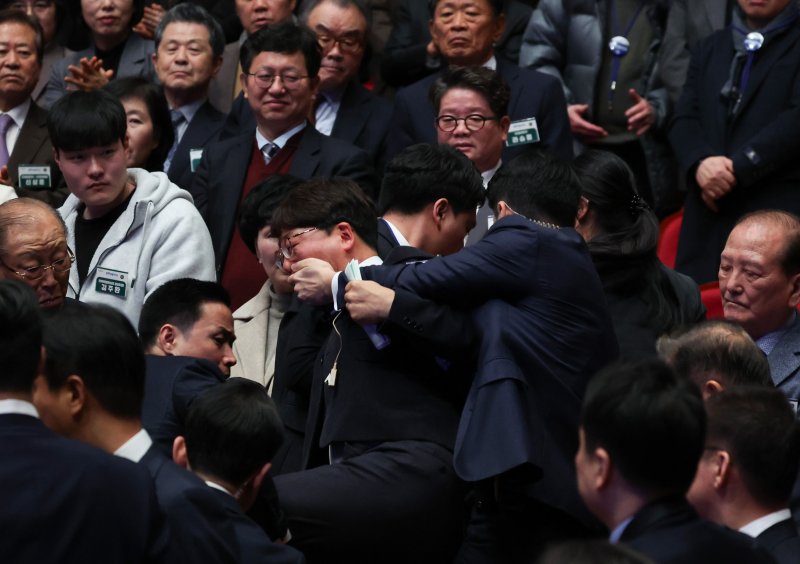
{"type": "Point", "coordinates": [347, 237]}
{"type": "Point", "coordinates": [711, 387]}
{"type": "Point", "coordinates": [503, 210]}
{"type": "Point", "coordinates": [794, 296]}
{"type": "Point", "coordinates": [179, 455]}
{"type": "Point", "coordinates": [441, 208]}
{"type": "Point", "coordinates": [603, 468]}
{"type": "Point", "coordinates": [75, 394]}
{"type": "Point", "coordinates": [500, 27]}
{"type": "Point", "coordinates": [722, 468]}
{"type": "Point", "coordinates": [168, 337]}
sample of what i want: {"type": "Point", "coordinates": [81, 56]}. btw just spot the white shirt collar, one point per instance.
{"type": "Point", "coordinates": [281, 140]}
{"type": "Point", "coordinates": [136, 447]}
{"type": "Point", "coordinates": [488, 174]}
{"type": "Point", "coordinates": [491, 63]}
{"type": "Point", "coordinates": [18, 114]}
{"type": "Point", "coordinates": [401, 240]}
{"type": "Point", "coordinates": [216, 486]}
{"type": "Point", "coordinates": [374, 260]}
{"type": "Point", "coordinates": [755, 528]}
{"type": "Point", "coordinates": [19, 407]}
{"type": "Point", "coordinates": [615, 535]}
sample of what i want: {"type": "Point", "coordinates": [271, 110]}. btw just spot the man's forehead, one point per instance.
{"type": "Point", "coordinates": [191, 31]}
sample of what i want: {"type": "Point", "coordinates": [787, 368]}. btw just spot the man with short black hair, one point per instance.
{"type": "Point", "coordinates": [759, 278]}
{"type": "Point", "coordinates": [748, 467]}
{"type": "Point", "coordinates": [641, 436]}
{"type": "Point", "coordinates": [131, 230]}
{"type": "Point", "coordinates": [715, 355]}
{"type": "Point", "coordinates": [232, 432]}
{"type": "Point", "coordinates": [108, 502]}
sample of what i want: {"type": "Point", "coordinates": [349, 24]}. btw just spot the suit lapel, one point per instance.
{"type": "Point", "coordinates": [201, 129]}
{"type": "Point", "coordinates": [352, 116]}
{"type": "Point", "coordinates": [510, 73]}
{"type": "Point", "coordinates": [134, 57]}
{"type": "Point", "coordinates": [305, 162]}
{"type": "Point", "coordinates": [32, 136]}
{"type": "Point", "coordinates": [784, 360]}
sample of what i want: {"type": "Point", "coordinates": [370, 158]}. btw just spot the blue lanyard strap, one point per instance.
{"type": "Point", "coordinates": [619, 46]}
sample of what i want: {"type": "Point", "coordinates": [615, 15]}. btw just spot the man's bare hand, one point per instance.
{"type": "Point", "coordinates": [641, 116]}
{"type": "Point", "coordinates": [88, 75]}
{"type": "Point", "coordinates": [582, 129]}
{"type": "Point", "coordinates": [367, 302]}
{"type": "Point", "coordinates": [312, 280]}
{"type": "Point", "coordinates": [715, 178]}
{"type": "Point", "coordinates": [151, 17]}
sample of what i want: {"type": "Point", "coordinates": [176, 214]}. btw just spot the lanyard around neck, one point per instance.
{"type": "Point", "coordinates": [619, 45]}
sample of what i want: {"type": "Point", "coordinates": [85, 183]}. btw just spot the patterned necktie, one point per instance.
{"type": "Point", "coordinates": [269, 151]}
{"type": "Point", "coordinates": [177, 120]}
{"type": "Point", "coordinates": [5, 123]}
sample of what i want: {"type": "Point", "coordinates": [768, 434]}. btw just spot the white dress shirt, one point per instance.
{"type": "Point", "coordinates": [136, 447]}
{"type": "Point", "coordinates": [18, 407]}
{"type": "Point", "coordinates": [18, 115]}
{"type": "Point", "coordinates": [755, 528]}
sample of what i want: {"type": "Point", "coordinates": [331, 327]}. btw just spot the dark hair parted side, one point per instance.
{"type": "Point", "coordinates": [99, 344]}
{"type": "Point", "coordinates": [136, 87]}
{"type": "Point", "coordinates": [624, 249]}
{"type": "Point", "coordinates": [285, 37]}
{"type": "Point", "coordinates": [177, 302]}
{"type": "Point", "coordinates": [232, 430]}
{"type": "Point", "coordinates": [790, 223]}
{"type": "Point", "coordinates": [82, 120]}
{"type": "Point", "coordinates": [650, 420]}
{"type": "Point", "coordinates": [325, 202]}
{"type": "Point", "coordinates": [759, 430]}
{"type": "Point", "coordinates": [421, 174]}
{"type": "Point", "coordinates": [11, 15]}
{"type": "Point", "coordinates": [716, 349]}
{"type": "Point", "coordinates": [20, 337]}
{"type": "Point", "coordinates": [486, 82]}
{"type": "Point", "coordinates": [259, 205]}
{"type": "Point", "coordinates": [360, 5]}
{"type": "Point", "coordinates": [539, 186]}
{"type": "Point", "coordinates": [193, 13]}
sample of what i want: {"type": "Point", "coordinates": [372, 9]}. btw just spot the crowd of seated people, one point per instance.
{"type": "Point", "coordinates": [278, 284]}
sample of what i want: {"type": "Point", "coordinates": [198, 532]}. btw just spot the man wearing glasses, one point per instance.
{"type": "Point", "coordinates": [344, 108]}
{"type": "Point", "coordinates": [472, 116]}
{"type": "Point", "coordinates": [280, 65]}
{"type": "Point", "coordinates": [33, 249]}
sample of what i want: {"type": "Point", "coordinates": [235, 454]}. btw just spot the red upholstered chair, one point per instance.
{"type": "Point", "coordinates": [712, 299]}
{"type": "Point", "coordinates": [670, 231]}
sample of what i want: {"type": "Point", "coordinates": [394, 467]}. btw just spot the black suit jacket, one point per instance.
{"type": "Point", "coordinates": [67, 502]}
{"type": "Point", "coordinates": [533, 94]}
{"type": "Point", "coordinates": [219, 181]}
{"type": "Point", "coordinates": [252, 544]}
{"type": "Point", "coordinates": [782, 542]}
{"type": "Point", "coordinates": [33, 147]}
{"type": "Point", "coordinates": [386, 239]}
{"type": "Point", "coordinates": [670, 532]}
{"type": "Point", "coordinates": [197, 524]}
{"type": "Point", "coordinates": [171, 384]}
{"type": "Point", "coordinates": [202, 130]}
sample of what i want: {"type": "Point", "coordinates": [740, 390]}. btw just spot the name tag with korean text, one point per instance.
{"type": "Point", "coordinates": [194, 158]}
{"type": "Point", "coordinates": [112, 282]}
{"type": "Point", "coordinates": [523, 132]}
{"type": "Point", "coordinates": [34, 177]}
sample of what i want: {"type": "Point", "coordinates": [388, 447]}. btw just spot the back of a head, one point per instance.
{"type": "Point", "coordinates": [421, 174]}
{"type": "Point", "coordinates": [757, 426]}
{"type": "Point", "coordinates": [651, 422]}
{"type": "Point", "coordinates": [287, 38]}
{"type": "Point", "coordinates": [179, 303]}
{"type": "Point", "coordinates": [81, 120]}
{"type": "Point", "coordinates": [718, 350]}
{"type": "Point", "coordinates": [325, 202]}
{"type": "Point", "coordinates": [538, 186]}
{"type": "Point", "coordinates": [100, 345]}
{"type": "Point", "coordinates": [232, 430]}
{"type": "Point", "coordinates": [592, 551]}
{"type": "Point", "coordinates": [20, 337]}
{"type": "Point", "coordinates": [260, 204]}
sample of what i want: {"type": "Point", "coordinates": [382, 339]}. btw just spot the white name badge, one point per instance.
{"type": "Point", "coordinates": [112, 282]}
{"type": "Point", "coordinates": [35, 177]}
{"type": "Point", "coordinates": [523, 132]}
{"type": "Point", "coordinates": [194, 158]}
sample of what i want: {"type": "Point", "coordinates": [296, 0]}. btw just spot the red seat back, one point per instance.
{"type": "Point", "coordinates": [667, 249]}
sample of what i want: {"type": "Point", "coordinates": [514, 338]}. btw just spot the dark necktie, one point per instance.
{"type": "Point", "coordinates": [5, 123]}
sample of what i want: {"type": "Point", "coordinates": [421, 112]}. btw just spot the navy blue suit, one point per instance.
{"type": "Point", "coordinates": [533, 94]}
{"type": "Point", "coordinates": [670, 532]}
{"type": "Point", "coordinates": [219, 180]}
{"type": "Point", "coordinates": [386, 239]}
{"type": "Point", "coordinates": [171, 384]}
{"type": "Point", "coordinates": [197, 523]}
{"type": "Point", "coordinates": [251, 543]}
{"type": "Point", "coordinates": [67, 502]}
{"type": "Point", "coordinates": [781, 541]}
{"type": "Point", "coordinates": [202, 130]}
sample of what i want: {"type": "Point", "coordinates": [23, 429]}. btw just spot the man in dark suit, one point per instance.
{"type": "Point", "coordinates": [759, 279]}
{"type": "Point", "coordinates": [344, 108]}
{"type": "Point", "coordinates": [92, 390]}
{"type": "Point", "coordinates": [533, 94]}
{"type": "Point", "coordinates": [280, 80]}
{"type": "Point", "coordinates": [517, 434]}
{"type": "Point", "coordinates": [386, 415]}
{"type": "Point", "coordinates": [641, 437]}
{"type": "Point", "coordinates": [232, 432]}
{"type": "Point", "coordinates": [189, 43]}
{"type": "Point", "coordinates": [23, 137]}
{"type": "Point", "coordinates": [749, 466]}
{"type": "Point", "coordinates": [733, 129]}
{"type": "Point", "coordinates": [108, 502]}
{"type": "Point", "coordinates": [186, 328]}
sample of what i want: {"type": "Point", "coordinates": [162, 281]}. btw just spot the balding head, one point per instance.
{"type": "Point", "coordinates": [33, 235]}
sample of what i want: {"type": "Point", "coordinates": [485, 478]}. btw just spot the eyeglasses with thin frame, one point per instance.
{"type": "Point", "coordinates": [473, 122]}
{"type": "Point", "coordinates": [347, 44]}
{"type": "Point", "coordinates": [287, 247]}
{"type": "Point", "coordinates": [36, 272]}
{"type": "Point", "coordinates": [266, 79]}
